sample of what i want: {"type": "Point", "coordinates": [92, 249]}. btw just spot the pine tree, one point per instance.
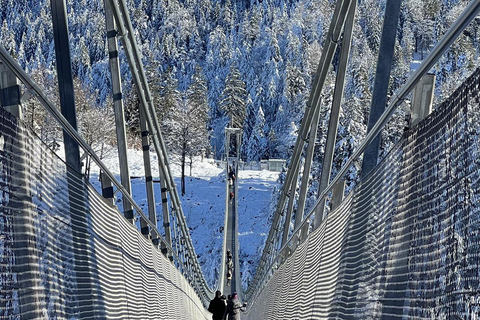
{"type": "Point", "coordinates": [257, 144]}
{"type": "Point", "coordinates": [169, 102]}
{"type": "Point", "coordinates": [248, 125]}
{"type": "Point", "coordinates": [131, 110]}
{"type": "Point", "coordinates": [8, 39]}
{"type": "Point", "coordinates": [233, 101]}
{"type": "Point", "coordinates": [199, 118]}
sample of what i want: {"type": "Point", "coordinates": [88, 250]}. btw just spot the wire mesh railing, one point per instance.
{"type": "Point", "coordinates": [404, 244]}
{"type": "Point", "coordinates": [68, 253]}
{"type": "Point", "coordinates": [180, 250]}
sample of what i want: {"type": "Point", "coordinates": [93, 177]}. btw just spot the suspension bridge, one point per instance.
{"type": "Point", "coordinates": [402, 244]}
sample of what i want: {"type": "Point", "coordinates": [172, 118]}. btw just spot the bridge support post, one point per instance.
{"type": "Point", "coordinates": [422, 99]}
{"type": "Point", "coordinates": [84, 294]}
{"type": "Point", "coordinates": [118, 108]}
{"type": "Point", "coordinates": [238, 140]}
{"type": "Point", "coordinates": [107, 188]}
{"type": "Point", "coordinates": [24, 239]}
{"type": "Point", "coordinates": [380, 87]}
{"type": "Point", "coordinates": [166, 214]}
{"type": "Point", "coordinates": [335, 113]}
{"type": "Point", "coordinates": [148, 180]}
{"type": "Point", "coordinates": [300, 236]}
{"type": "Point", "coordinates": [291, 202]}
{"type": "Point", "coordinates": [337, 196]}
{"type": "Point", "coordinates": [306, 170]}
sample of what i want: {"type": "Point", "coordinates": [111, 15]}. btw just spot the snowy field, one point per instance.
{"type": "Point", "coordinates": [204, 207]}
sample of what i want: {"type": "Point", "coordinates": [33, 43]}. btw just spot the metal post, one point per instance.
{"type": "Point", "coordinates": [335, 113]}
{"type": "Point", "coordinates": [306, 170]}
{"type": "Point", "coordinates": [84, 292]}
{"type": "Point", "coordinates": [166, 214]}
{"type": "Point", "coordinates": [118, 108]}
{"type": "Point", "coordinates": [422, 99]}
{"type": "Point", "coordinates": [107, 188]}
{"type": "Point", "coordinates": [380, 87]}
{"type": "Point", "coordinates": [337, 194]}
{"type": "Point", "coordinates": [291, 202]}
{"type": "Point", "coordinates": [24, 241]}
{"type": "Point", "coordinates": [238, 136]}
{"type": "Point", "coordinates": [152, 215]}
{"type": "Point", "coordinates": [313, 104]}
{"type": "Point", "coordinates": [10, 92]}
{"type": "Point", "coordinates": [227, 145]}
{"type": "Point", "coordinates": [65, 80]}
{"type": "Point", "coordinates": [239, 141]}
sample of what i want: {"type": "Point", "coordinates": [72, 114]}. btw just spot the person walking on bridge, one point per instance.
{"type": "Point", "coordinates": [217, 306]}
{"type": "Point", "coordinates": [229, 264]}
{"type": "Point", "coordinates": [233, 308]}
{"type": "Point", "coordinates": [231, 177]}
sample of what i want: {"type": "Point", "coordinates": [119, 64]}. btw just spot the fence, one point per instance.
{"type": "Point", "coordinates": [67, 253]}
{"type": "Point", "coordinates": [271, 165]}
{"type": "Point", "coordinates": [405, 243]}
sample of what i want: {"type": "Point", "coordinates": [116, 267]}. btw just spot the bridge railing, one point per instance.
{"type": "Point", "coordinates": [181, 250]}
{"type": "Point", "coordinates": [134, 58]}
{"type": "Point", "coordinates": [274, 250]}
{"type": "Point", "coordinates": [182, 254]}
{"type": "Point", "coordinates": [68, 253]}
{"type": "Point", "coordinates": [404, 243]}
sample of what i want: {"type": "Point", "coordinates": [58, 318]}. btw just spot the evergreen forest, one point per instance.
{"type": "Point", "coordinates": [241, 63]}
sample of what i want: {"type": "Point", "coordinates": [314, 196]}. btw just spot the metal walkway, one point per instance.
{"type": "Point", "coordinates": [230, 241]}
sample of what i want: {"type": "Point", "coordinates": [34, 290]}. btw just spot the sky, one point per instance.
{"type": "Point", "coordinates": [204, 206]}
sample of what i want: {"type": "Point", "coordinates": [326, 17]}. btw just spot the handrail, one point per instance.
{"type": "Point", "coordinates": [313, 106]}
{"type": "Point", "coordinates": [53, 110]}
{"type": "Point", "coordinates": [454, 31]}
{"type": "Point", "coordinates": [136, 67]}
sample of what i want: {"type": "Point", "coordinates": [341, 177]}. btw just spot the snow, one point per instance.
{"type": "Point", "coordinates": [204, 206]}
{"type": "Point", "coordinates": [416, 61]}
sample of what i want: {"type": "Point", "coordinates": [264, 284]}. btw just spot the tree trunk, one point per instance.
{"type": "Point", "coordinates": [183, 168]}
{"type": "Point", "coordinates": [191, 165]}
{"type": "Point", "coordinates": [101, 151]}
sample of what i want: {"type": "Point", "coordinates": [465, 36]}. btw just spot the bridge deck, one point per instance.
{"type": "Point", "coordinates": [231, 242]}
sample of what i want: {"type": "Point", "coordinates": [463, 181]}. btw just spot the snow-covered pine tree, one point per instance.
{"type": "Point", "coordinates": [248, 125]}
{"type": "Point", "coordinates": [197, 99]}
{"type": "Point", "coordinates": [233, 101]}
{"type": "Point", "coordinates": [257, 144]}
{"type": "Point", "coordinates": [7, 39]}
{"type": "Point", "coordinates": [169, 102]}
{"type": "Point", "coordinates": [216, 69]}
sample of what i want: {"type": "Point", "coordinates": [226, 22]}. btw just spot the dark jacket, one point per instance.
{"type": "Point", "coordinates": [233, 309]}
{"type": "Point", "coordinates": [217, 307]}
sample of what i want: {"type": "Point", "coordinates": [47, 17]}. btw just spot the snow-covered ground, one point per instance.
{"type": "Point", "coordinates": [204, 207]}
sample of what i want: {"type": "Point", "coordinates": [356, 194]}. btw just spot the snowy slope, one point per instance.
{"type": "Point", "coordinates": [204, 207]}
